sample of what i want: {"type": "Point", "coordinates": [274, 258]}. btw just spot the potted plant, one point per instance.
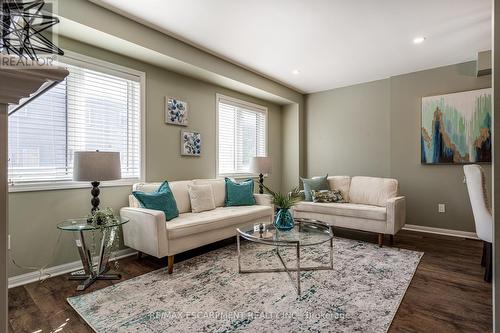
{"type": "Point", "coordinates": [283, 219]}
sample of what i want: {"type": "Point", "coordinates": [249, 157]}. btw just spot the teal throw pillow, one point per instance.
{"type": "Point", "coordinates": [163, 199]}
{"type": "Point", "coordinates": [314, 184]}
{"type": "Point", "coordinates": [239, 194]}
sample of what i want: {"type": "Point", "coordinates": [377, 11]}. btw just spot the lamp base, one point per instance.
{"type": "Point", "coordinates": [261, 183]}
{"type": "Point", "coordinates": [95, 197]}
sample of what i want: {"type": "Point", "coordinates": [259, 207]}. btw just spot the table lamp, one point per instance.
{"type": "Point", "coordinates": [261, 166]}
{"type": "Point", "coordinates": [94, 167]}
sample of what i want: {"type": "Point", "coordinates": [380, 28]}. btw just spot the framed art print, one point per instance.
{"type": "Point", "coordinates": [190, 143]}
{"type": "Point", "coordinates": [176, 111]}
{"type": "Point", "coordinates": [456, 128]}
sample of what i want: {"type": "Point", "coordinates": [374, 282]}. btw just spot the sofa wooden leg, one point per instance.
{"type": "Point", "coordinates": [170, 264]}
{"type": "Point", "coordinates": [488, 272]}
{"type": "Point", "coordinates": [380, 240]}
{"type": "Point", "coordinates": [391, 239]}
{"type": "Point", "coordinates": [483, 258]}
{"type": "Point", "coordinates": [139, 255]}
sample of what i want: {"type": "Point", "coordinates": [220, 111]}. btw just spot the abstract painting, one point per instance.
{"type": "Point", "coordinates": [190, 143]}
{"type": "Point", "coordinates": [176, 111]}
{"type": "Point", "coordinates": [456, 128]}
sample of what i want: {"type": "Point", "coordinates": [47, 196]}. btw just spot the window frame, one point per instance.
{"type": "Point", "coordinates": [76, 59]}
{"type": "Point", "coordinates": [237, 101]}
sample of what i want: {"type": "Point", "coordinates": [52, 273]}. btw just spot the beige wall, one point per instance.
{"type": "Point", "coordinates": [348, 130]}
{"type": "Point", "coordinates": [427, 185]}
{"type": "Point", "coordinates": [290, 147]}
{"type": "Point", "coordinates": [374, 129]}
{"type": "Point", "coordinates": [33, 215]}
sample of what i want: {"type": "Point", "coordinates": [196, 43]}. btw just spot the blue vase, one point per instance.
{"type": "Point", "coordinates": [283, 219]}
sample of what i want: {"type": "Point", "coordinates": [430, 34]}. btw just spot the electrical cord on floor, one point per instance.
{"type": "Point", "coordinates": [42, 276]}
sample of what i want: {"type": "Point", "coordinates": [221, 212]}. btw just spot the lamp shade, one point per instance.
{"type": "Point", "coordinates": [96, 166]}
{"type": "Point", "coordinates": [260, 165]}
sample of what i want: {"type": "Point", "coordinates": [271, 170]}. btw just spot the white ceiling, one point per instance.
{"type": "Point", "coordinates": [333, 43]}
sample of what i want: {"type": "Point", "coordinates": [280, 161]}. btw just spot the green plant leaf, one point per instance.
{"type": "Point", "coordinates": [284, 201]}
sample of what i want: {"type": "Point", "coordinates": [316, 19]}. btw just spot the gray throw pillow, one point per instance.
{"type": "Point", "coordinates": [314, 184]}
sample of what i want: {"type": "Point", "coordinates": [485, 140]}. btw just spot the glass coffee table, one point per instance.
{"type": "Point", "coordinates": [109, 233]}
{"type": "Point", "coordinates": [305, 233]}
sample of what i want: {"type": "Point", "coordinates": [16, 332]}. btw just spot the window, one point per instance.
{"type": "Point", "coordinates": [242, 134]}
{"type": "Point", "coordinates": [95, 108]}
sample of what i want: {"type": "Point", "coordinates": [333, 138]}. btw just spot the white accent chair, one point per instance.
{"type": "Point", "coordinates": [149, 233]}
{"type": "Point", "coordinates": [372, 204]}
{"type": "Point", "coordinates": [476, 186]}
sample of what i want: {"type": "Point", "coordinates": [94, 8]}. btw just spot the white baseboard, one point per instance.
{"type": "Point", "coordinates": [440, 231]}
{"type": "Point", "coordinates": [23, 279]}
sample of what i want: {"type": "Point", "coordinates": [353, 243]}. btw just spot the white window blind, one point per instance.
{"type": "Point", "coordinates": [89, 110]}
{"type": "Point", "coordinates": [242, 131]}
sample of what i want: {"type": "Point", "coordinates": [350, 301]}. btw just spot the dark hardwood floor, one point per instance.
{"type": "Point", "coordinates": [447, 293]}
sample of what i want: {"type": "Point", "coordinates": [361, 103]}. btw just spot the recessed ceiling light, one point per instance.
{"type": "Point", "coordinates": [418, 40]}
{"type": "Point", "coordinates": [295, 72]}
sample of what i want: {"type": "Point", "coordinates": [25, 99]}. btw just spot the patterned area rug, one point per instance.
{"type": "Point", "coordinates": [206, 294]}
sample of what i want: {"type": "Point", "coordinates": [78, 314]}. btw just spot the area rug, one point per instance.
{"type": "Point", "coordinates": [207, 294]}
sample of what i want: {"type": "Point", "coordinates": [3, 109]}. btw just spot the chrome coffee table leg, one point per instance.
{"type": "Point", "coordinates": [239, 252]}
{"type": "Point", "coordinates": [289, 270]}
{"type": "Point", "coordinates": [298, 268]}
{"type": "Point", "coordinates": [331, 248]}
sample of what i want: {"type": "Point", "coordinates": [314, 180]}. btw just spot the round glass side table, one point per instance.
{"type": "Point", "coordinates": [109, 234]}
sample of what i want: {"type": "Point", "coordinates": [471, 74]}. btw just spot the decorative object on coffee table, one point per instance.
{"type": "Point", "coordinates": [190, 143]}
{"type": "Point", "coordinates": [176, 111]}
{"type": "Point", "coordinates": [94, 167]}
{"type": "Point", "coordinates": [108, 227]}
{"type": "Point", "coordinates": [262, 166]}
{"type": "Point", "coordinates": [283, 219]}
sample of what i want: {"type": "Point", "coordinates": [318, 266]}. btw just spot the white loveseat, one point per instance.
{"type": "Point", "coordinates": [148, 232]}
{"type": "Point", "coordinates": [372, 205]}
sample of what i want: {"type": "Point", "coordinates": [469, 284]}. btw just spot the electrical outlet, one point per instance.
{"type": "Point", "coordinates": [441, 208]}
{"type": "Point", "coordinates": [8, 242]}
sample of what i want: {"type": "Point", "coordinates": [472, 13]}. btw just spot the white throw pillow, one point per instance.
{"type": "Point", "coordinates": [202, 198]}
{"type": "Point", "coordinates": [219, 188]}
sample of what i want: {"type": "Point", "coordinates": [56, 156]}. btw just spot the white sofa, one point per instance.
{"type": "Point", "coordinates": [372, 205]}
{"type": "Point", "coordinates": [148, 232]}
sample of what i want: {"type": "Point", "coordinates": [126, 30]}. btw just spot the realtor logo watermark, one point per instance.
{"type": "Point", "coordinates": [248, 315]}
{"type": "Point", "coordinates": [14, 62]}
{"type": "Point", "coordinates": [27, 34]}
